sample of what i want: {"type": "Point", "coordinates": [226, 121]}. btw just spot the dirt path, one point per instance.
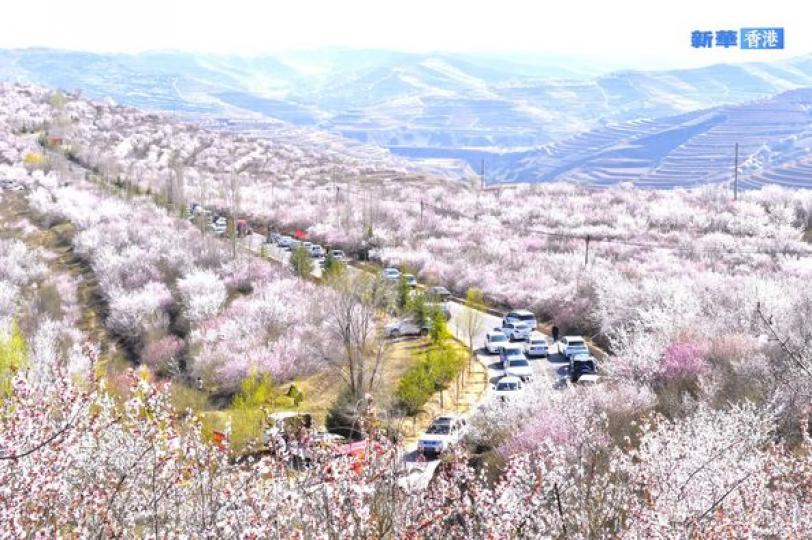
{"type": "Point", "coordinates": [56, 240]}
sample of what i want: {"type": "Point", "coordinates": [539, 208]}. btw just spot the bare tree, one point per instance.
{"type": "Point", "coordinates": [232, 196]}
{"type": "Point", "coordinates": [352, 343]}
{"type": "Point", "coordinates": [472, 320]}
{"type": "Point", "coordinates": [175, 183]}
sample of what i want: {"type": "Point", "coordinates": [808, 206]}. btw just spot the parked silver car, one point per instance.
{"type": "Point", "coordinates": [405, 327]}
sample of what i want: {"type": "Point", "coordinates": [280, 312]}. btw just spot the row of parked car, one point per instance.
{"type": "Point", "coordinates": [438, 293]}
{"type": "Point", "coordinates": [218, 224]}
{"type": "Point", "coordinates": [288, 243]}
{"type": "Point", "coordinates": [521, 326]}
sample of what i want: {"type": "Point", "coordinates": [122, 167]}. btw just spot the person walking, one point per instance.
{"type": "Point", "coordinates": [555, 339]}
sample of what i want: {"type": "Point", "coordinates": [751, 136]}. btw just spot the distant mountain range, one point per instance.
{"type": "Point", "coordinates": [528, 119]}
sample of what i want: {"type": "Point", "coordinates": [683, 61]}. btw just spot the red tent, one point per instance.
{"type": "Point", "coordinates": [299, 234]}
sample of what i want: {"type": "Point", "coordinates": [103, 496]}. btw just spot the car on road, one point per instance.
{"type": "Point", "coordinates": [442, 434]}
{"type": "Point", "coordinates": [284, 241]}
{"type": "Point", "coordinates": [515, 331]}
{"type": "Point", "coordinates": [536, 346]}
{"type": "Point", "coordinates": [494, 341]}
{"type": "Point", "coordinates": [517, 366]}
{"type": "Point", "coordinates": [415, 477]}
{"type": "Point", "coordinates": [440, 292]}
{"type": "Point", "coordinates": [581, 365]}
{"type": "Point", "coordinates": [316, 251]}
{"type": "Point", "coordinates": [510, 350]}
{"type": "Point", "coordinates": [219, 226]}
{"type": "Point", "coordinates": [523, 316]}
{"type": "Point", "coordinates": [411, 281]}
{"type": "Point", "coordinates": [338, 255]}
{"type": "Point", "coordinates": [507, 388]}
{"type": "Point", "coordinates": [11, 185]}
{"type": "Point", "coordinates": [572, 345]}
{"type": "Point", "coordinates": [405, 327]}
{"type": "Point", "coordinates": [589, 379]}
{"type": "Point", "coordinates": [391, 274]}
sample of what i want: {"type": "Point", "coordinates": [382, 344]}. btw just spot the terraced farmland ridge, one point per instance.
{"type": "Point", "coordinates": [774, 137]}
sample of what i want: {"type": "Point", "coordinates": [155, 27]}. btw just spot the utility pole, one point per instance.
{"type": "Point", "coordinates": [482, 175]}
{"type": "Point", "coordinates": [421, 211]}
{"type": "Point", "coordinates": [586, 251]}
{"type": "Point", "coordinates": [736, 174]}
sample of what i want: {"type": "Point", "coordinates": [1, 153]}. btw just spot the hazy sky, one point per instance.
{"type": "Point", "coordinates": [644, 32]}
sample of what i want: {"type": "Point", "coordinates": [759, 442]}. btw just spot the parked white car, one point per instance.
{"type": "Point", "coordinates": [406, 327]}
{"type": "Point", "coordinates": [524, 316]}
{"type": "Point", "coordinates": [536, 346]}
{"type": "Point", "coordinates": [494, 341]}
{"type": "Point", "coordinates": [391, 274]}
{"type": "Point", "coordinates": [589, 379]}
{"type": "Point", "coordinates": [338, 255]}
{"type": "Point", "coordinates": [518, 366]}
{"type": "Point", "coordinates": [316, 251]}
{"type": "Point", "coordinates": [516, 331]}
{"type": "Point", "coordinates": [415, 477]}
{"type": "Point", "coordinates": [582, 365]}
{"type": "Point", "coordinates": [219, 226]}
{"type": "Point", "coordinates": [572, 345]}
{"type": "Point", "coordinates": [511, 350]}
{"type": "Point", "coordinates": [444, 432]}
{"type": "Point", "coordinates": [508, 388]}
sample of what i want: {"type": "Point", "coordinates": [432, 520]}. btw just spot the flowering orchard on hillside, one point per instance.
{"type": "Point", "coordinates": [166, 284]}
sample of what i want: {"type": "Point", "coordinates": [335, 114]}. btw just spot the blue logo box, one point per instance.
{"type": "Point", "coordinates": [761, 38]}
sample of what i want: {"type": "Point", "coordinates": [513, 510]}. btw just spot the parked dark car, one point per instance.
{"type": "Point", "coordinates": [441, 293]}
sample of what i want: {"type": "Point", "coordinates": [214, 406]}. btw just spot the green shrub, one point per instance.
{"type": "Point", "coordinates": [332, 267]}
{"type": "Point", "coordinates": [404, 293]}
{"type": "Point", "coordinates": [435, 370]}
{"type": "Point", "coordinates": [415, 389]}
{"type": "Point", "coordinates": [302, 261]}
{"type": "Point", "coordinates": [439, 326]}
{"type": "Point", "coordinates": [248, 411]}
{"type": "Point", "coordinates": [296, 395]}
{"type": "Point", "coordinates": [13, 357]}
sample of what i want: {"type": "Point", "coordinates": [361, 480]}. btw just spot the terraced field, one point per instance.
{"type": "Point", "coordinates": [774, 137]}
